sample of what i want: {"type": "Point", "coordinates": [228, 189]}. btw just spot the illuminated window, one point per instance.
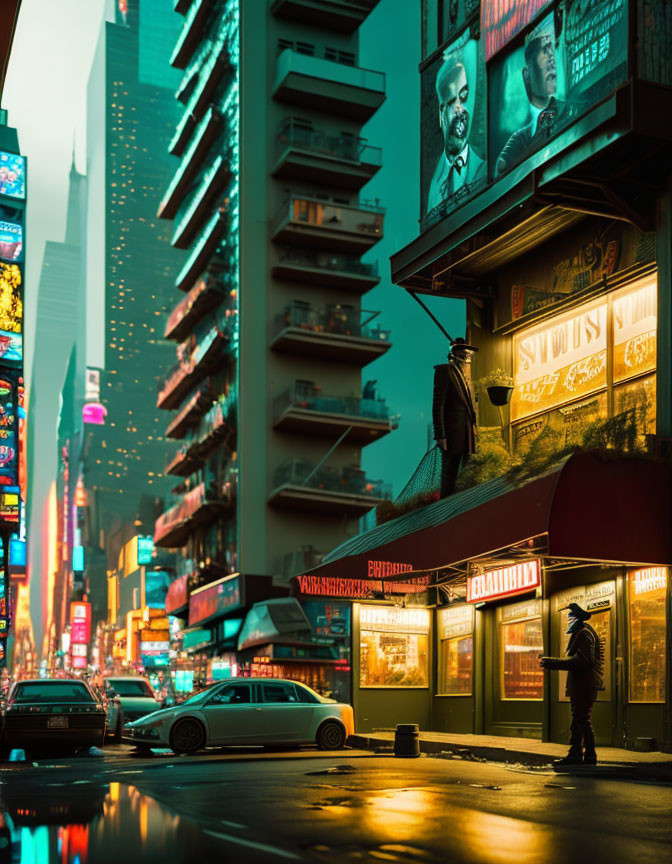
{"type": "Point", "coordinates": [520, 644]}
{"type": "Point", "coordinates": [456, 650]}
{"type": "Point", "coordinates": [393, 647]}
{"type": "Point", "coordinates": [646, 601]}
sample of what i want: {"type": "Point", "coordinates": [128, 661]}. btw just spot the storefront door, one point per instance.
{"type": "Point", "coordinates": [600, 600]}
{"type": "Point", "coordinates": [513, 679]}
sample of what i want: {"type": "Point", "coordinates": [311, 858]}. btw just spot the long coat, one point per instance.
{"type": "Point", "coordinates": [584, 663]}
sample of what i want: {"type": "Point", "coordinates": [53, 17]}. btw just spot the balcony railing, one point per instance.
{"type": "Point", "coordinates": [326, 268]}
{"type": "Point", "coordinates": [198, 506]}
{"type": "Point", "coordinates": [327, 479]}
{"type": "Point", "coordinates": [212, 431]}
{"type": "Point", "coordinates": [204, 248]}
{"type": "Point", "coordinates": [190, 34]}
{"type": "Point", "coordinates": [333, 319]}
{"type": "Point", "coordinates": [199, 354]}
{"type": "Point", "coordinates": [309, 397]}
{"type": "Point", "coordinates": [325, 84]}
{"type": "Point", "coordinates": [305, 220]}
{"type": "Point", "coordinates": [309, 154]}
{"type": "Point", "coordinates": [189, 415]}
{"type": "Point", "coordinates": [208, 292]}
{"type": "Point", "coordinates": [193, 211]}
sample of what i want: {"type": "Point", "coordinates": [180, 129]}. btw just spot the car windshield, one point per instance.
{"type": "Point", "coordinates": [52, 691]}
{"type": "Point", "coordinates": [197, 697]}
{"type": "Point", "coordinates": [130, 687]}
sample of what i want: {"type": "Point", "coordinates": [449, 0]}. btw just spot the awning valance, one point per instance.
{"type": "Point", "coordinates": [595, 505]}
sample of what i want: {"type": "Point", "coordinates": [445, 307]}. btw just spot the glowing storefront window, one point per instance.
{"type": "Point", "coordinates": [647, 589]}
{"type": "Point", "coordinates": [456, 650]}
{"type": "Point", "coordinates": [521, 643]}
{"type": "Point", "coordinates": [393, 647]}
{"type": "Point", "coordinates": [635, 321]}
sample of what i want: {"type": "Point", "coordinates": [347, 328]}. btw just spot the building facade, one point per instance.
{"type": "Point", "coordinates": [546, 210]}
{"type": "Point", "coordinates": [269, 412]}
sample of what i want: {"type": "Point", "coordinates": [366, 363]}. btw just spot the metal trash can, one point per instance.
{"type": "Point", "coordinates": [407, 741]}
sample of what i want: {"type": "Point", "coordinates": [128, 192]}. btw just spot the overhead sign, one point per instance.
{"type": "Point", "coordinates": [11, 241]}
{"type": "Point", "coordinates": [504, 582]}
{"type": "Point", "coordinates": [382, 569]}
{"type": "Point", "coordinates": [80, 622]}
{"type": "Point", "coordinates": [649, 579]}
{"type": "Point", "coordinates": [213, 600]}
{"type": "Point", "coordinates": [356, 589]}
{"type": "Point", "coordinates": [394, 619]}
{"type": "Point", "coordinates": [12, 175]}
{"type": "Point", "coordinates": [145, 549]}
{"type": "Point", "coordinates": [635, 322]}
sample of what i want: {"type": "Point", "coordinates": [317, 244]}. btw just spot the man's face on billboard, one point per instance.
{"type": "Point", "coordinates": [452, 91]}
{"type": "Point", "coordinates": [541, 71]}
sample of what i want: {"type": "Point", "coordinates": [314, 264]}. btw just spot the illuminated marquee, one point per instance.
{"type": "Point", "coordinates": [649, 579]}
{"type": "Point", "coordinates": [504, 582]}
{"type": "Point", "coordinates": [381, 569]}
{"type": "Point", "coordinates": [391, 618]}
{"type": "Point", "coordinates": [357, 589]}
{"type": "Point", "coordinates": [635, 323]}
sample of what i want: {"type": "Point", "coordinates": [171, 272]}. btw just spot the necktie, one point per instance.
{"type": "Point", "coordinates": [455, 168]}
{"type": "Point", "coordinates": [546, 118]}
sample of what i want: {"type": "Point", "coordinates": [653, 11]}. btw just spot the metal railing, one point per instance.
{"type": "Point", "coordinates": [334, 318]}
{"type": "Point", "coordinates": [347, 480]}
{"type": "Point", "coordinates": [309, 397]}
{"type": "Point", "coordinates": [303, 63]}
{"type": "Point", "coordinates": [221, 414]}
{"type": "Point", "coordinates": [363, 218]}
{"type": "Point", "coordinates": [333, 262]}
{"type": "Point", "coordinates": [295, 135]}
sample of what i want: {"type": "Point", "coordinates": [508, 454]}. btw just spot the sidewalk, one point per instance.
{"type": "Point", "coordinates": [613, 761]}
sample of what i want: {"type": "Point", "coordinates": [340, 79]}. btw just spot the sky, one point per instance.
{"type": "Point", "coordinates": [45, 93]}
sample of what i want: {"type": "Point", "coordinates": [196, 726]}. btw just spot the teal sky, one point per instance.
{"type": "Point", "coordinates": [390, 42]}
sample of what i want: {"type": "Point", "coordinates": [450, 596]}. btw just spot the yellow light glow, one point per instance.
{"type": "Point", "coordinates": [393, 618]}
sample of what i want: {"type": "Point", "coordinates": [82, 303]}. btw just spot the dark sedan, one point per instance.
{"type": "Point", "coordinates": [59, 714]}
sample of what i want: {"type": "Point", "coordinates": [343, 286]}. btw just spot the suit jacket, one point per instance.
{"type": "Point", "coordinates": [453, 411]}
{"type": "Point", "coordinates": [526, 140]}
{"type": "Point", "coordinates": [473, 171]}
{"type": "Point", "coordinates": [584, 663]}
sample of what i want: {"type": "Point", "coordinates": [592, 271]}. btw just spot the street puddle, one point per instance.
{"type": "Point", "coordinates": [94, 825]}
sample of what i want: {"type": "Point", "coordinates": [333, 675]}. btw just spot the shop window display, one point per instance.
{"type": "Point", "coordinates": [393, 659]}
{"type": "Point", "coordinates": [646, 600]}
{"type": "Point", "coordinates": [521, 644]}
{"type": "Point", "coordinates": [456, 664]}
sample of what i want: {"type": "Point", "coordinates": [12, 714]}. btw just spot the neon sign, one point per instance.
{"type": "Point", "coordinates": [649, 579]}
{"type": "Point", "coordinates": [504, 582]}
{"type": "Point", "coordinates": [381, 569]}
{"type": "Point", "coordinates": [357, 589]}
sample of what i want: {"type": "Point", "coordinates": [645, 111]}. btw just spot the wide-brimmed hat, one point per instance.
{"type": "Point", "coordinates": [577, 612]}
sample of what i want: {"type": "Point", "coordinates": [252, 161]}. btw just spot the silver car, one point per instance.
{"type": "Point", "coordinates": [246, 711]}
{"type": "Point", "coordinates": [129, 698]}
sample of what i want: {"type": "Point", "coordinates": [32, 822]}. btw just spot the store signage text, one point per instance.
{"type": "Point", "coordinates": [394, 619]}
{"type": "Point", "coordinates": [214, 600]}
{"type": "Point", "coordinates": [456, 621]}
{"type": "Point", "coordinates": [333, 586]}
{"type": "Point", "coordinates": [649, 579]}
{"type": "Point", "coordinates": [381, 569]}
{"type": "Point", "coordinates": [504, 582]}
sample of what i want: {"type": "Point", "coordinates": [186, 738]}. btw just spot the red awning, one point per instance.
{"type": "Point", "coordinates": [596, 505]}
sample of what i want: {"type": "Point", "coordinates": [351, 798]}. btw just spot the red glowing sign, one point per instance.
{"type": "Point", "coordinates": [504, 582]}
{"type": "Point", "coordinates": [80, 622]}
{"type": "Point", "coordinates": [214, 600]}
{"type": "Point", "coordinates": [381, 569]}
{"type": "Point", "coordinates": [334, 586]}
{"type": "Point", "coordinates": [501, 20]}
{"type": "Point", "coordinates": [177, 595]}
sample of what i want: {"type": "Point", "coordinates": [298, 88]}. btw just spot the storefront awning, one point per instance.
{"type": "Point", "coordinates": [595, 505]}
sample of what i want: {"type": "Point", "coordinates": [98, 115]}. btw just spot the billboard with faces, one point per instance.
{"type": "Point", "coordinates": [570, 58]}
{"type": "Point", "coordinates": [453, 139]}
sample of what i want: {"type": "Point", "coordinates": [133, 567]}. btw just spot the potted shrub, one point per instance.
{"type": "Point", "coordinates": [499, 386]}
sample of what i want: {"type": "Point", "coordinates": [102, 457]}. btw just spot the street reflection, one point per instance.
{"type": "Point", "coordinates": [115, 823]}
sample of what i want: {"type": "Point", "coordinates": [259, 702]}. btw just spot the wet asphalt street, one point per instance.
{"type": "Point", "coordinates": [242, 806]}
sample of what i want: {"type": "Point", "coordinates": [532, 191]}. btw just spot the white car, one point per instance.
{"type": "Point", "coordinates": [246, 711]}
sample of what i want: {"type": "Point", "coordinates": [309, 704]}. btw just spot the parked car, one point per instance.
{"type": "Point", "coordinates": [246, 711]}
{"type": "Point", "coordinates": [63, 714]}
{"type": "Point", "coordinates": [129, 698]}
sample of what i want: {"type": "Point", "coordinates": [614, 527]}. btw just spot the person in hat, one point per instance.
{"type": "Point", "coordinates": [584, 664]}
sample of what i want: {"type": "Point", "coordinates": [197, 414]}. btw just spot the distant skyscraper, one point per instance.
{"type": "Point", "coordinates": [130, 265]}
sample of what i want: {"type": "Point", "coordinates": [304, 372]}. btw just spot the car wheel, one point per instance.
{"type": "Point", "coordinates": [331, 736]}
{"type": "Point", "coordinates": [187, 736]}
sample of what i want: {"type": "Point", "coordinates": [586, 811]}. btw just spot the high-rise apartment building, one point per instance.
{"type": "Point", "coordinates": [269, 413]}
{"type": "Point", "coordinates": [130, 265]}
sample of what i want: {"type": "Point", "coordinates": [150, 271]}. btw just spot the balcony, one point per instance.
{"type": "Point", "coordinates": [324, 269]}
{"type": "Point", "coordinates": [298, 486]}
{"type": "Point", "coordinates": [191, 413]}
{"type": "Point", "coordinates": [192, 31]}
{"type": "Point", "coordinates": [306, 221]}
{"type": "Point", "coordinates": [308, 155]}
{"type": "Point", "coordinates": [204, 249]}
{"type": "Point", "coordinates": [343, 15]}
{"type": "Point", "coordinates": [304, 409]}
{"type": "Point", "coordinates": [213, 431]}
{"type": "Point", "coordinates": [192, 213]}
{"type": "Point", "coordinates": [325, 85]}
{"type": "Point", "coordinates": [198, 506]}
{"type": "Point", "coordinates": [334, 333]}
{"type": "Point", "coordinates": [210, 290]}
{"type": "Point", "coordinates": [200, 355]}
{"type": "Point", "coordinates": [205, 135]}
